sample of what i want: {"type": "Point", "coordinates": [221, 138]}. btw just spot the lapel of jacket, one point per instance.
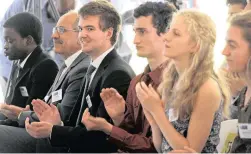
{"type": "Point", "coordinates": [29, 63]}
{"type": "Point", "coordinates": [75, 62]}
{"type": "Point", "coordinates": [48, 95]}
{"type": "Point", "coordinates": [101, 70]}
{"type": "Point", "coordinates": [94, 82]}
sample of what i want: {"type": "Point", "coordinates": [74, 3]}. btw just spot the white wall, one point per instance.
{"type": "Point", "coordinates": [217, 10]}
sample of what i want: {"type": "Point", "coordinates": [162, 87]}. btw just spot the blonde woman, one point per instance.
{"type": "Point", "coordinates": [194, 99]}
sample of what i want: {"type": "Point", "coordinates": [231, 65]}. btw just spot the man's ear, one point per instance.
{"type": "Point", "coordinates": [109, 33]}
{"type": "Point", "coordinates": [29, 40]}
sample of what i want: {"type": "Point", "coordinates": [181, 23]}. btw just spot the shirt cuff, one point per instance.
{"type": "Point", "coordinates": [117, 136]}
{"type": "Point", "coordinates": [50, 135]}
{"type": "Point", "coordinates": [62, 123]}
{"type": "Point", "coordinates": [51, 132]}
{"type": "Point", "coordinates": [19, 115]}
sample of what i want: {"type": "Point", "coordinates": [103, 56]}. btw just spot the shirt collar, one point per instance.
{"type": "Point", "coordinates": [100, 58]}
{"type": "Point", "coordinates": [24, 61]}
{"type": "Point", "coordinates": [156, 74]}
{"type": "Point", "coordinates": [71, 59]}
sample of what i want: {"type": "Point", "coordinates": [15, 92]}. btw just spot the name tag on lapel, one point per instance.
{"type": "Point", "coordinates": [46, 98]}
{"type": "Point", "coordinates": [56, 95]}
{"type": "Point", "coordinates": [89, 102]}
{"type": "Point", "coordinates": [244, 130]}
{"type": "Point", "coordinates": [24, 91]}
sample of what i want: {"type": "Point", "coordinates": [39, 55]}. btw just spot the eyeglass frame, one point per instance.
{"type": "Point", "coordinates": [55, 29]}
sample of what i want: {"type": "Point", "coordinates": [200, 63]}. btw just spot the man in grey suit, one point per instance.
{"type": "Point", "coordinates": [63, 93]}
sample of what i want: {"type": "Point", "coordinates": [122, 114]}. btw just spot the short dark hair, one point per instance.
{"type": "Point", "coordinates": [231, 2]}
{"type": "Point", "coordinates": [26, 24]}
{"type": "Point", "coordinates": [161, 14]}
{"type": "Point", "coordinates": [109, 17]}
{"type": "Point", "coordinates": [177, 3]}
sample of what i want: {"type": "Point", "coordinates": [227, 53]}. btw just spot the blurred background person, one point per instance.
{"type": "Point", "coordinates": [235, 6]}
{"type": "Point", "coordinates": [248, 6]}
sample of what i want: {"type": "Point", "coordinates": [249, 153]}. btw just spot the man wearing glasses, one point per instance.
{"type": "Point", "coordinates": [63, 93]}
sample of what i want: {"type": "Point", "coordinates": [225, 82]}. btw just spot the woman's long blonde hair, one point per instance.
{"type": "Point", "coordinates": [180, 92]}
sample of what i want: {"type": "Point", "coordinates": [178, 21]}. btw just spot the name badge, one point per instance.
{"type": "Point", "coordinates": [89, 102]}
{"type": "Point", "coordinates": [244, 130]}
{"type": "Point", "coordinates": [56, 96]}
{"type": "Point", "coordinates": [24, 91]}
{"type": "Point", "coordinates": [46, 98]}
{"type": "Point", "coordinates": [172, 115]}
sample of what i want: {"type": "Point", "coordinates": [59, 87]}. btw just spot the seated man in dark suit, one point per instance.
{"type": "Point", "coordinates": [99, 26]}
{"type": "Point", "coordinates": [63, 93]}
{"type": "Point", "coordinates": [33, 72]}
{"type": "Point", "coordinates": [131, 131]}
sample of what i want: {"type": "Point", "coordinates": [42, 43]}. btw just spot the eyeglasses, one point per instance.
{"type": "Point", "coordinates": [62, 30]}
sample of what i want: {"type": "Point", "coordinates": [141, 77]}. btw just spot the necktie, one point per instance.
{"type": "Point", "coordinates": [89, 72]}
{"type": "Point", "coordinates": [18, 71]}
{"type": "Point", "coordinates": [53, 87]}
{"type": "Point", "coordinates": [12, 81]}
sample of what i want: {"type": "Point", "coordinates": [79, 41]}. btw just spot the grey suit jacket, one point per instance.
{"type": "Point", "coordinates": [70, 84]}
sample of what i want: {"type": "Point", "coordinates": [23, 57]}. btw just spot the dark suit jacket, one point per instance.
{"type": "Point", "coordinates": [70, 83]}
{"type": "Point", "coordinates": [112, 72]}
{"type": "Point", "coordinates": [37, 76]}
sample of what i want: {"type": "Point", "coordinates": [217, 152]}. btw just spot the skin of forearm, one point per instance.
{"type": "Point", "coordinates": [157, 137]}
{"type": "Point", "coordinates": [118, 120]}
{"type": "Point", "coordinates": [106, 127]}
{"type": "Point", "coordinates": [174, 138]}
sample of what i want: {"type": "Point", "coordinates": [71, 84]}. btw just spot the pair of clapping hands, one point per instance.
{"type": "Point", "coordinates": [114, 105]}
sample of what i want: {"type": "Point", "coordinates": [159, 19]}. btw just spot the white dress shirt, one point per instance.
{"type": "Point", "coordinates": [21, 65]}
{"type": "Point", "coordinates": [96, 63]}
{"type": "Point", "coordinates": [24, 61]}
{"type": "Point", "coordinates": [69, 61]}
